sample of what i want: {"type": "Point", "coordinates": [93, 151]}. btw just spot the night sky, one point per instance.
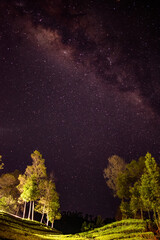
{"type": "Point", "coordinates": [79, 81]}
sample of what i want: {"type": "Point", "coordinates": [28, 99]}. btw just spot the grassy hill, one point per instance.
{"type": "Point", "coordinates": [21, 229]}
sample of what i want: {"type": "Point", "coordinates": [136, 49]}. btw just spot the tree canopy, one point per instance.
{"type": "Point", "coordinates": [116, 165]}
{"type": "Point", "coordinates": [137, 185]}
{"type": "Point", "coordinates": [33, 189]}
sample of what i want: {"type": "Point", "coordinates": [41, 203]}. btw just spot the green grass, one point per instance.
{"type": "Point", "coordinates": [12, 228]}
{"type": "Point", "coordinates": [125, 229]}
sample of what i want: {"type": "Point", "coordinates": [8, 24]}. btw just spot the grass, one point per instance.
{"type": "Point", "coordinates": [13, 228]}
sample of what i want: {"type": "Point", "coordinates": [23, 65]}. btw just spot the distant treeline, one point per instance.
{"type": "Point", "coordinates": [75, 222]}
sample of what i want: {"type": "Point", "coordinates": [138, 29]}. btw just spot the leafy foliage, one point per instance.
{"type": "Point", "coordinates": [138, 186]}
{"type": "Point", "coordinates": [31, 179]}
{"type": "Point", "coordinates": [8, 192]}
{"type": "Point", "coordinates": [34, 187]}
{"type": "Point", "coordinates": [48, 202]}
{"type": "Point", "coordinates": [136, 202]}
{"type": "Point", "coordinates": [1, 163]}
{"type": "Point", "coordinates": [150, 187]}
{"type": "Point", "coordinates": [116, 165]}
{"type": "Point", "coordinates": [128, 177]}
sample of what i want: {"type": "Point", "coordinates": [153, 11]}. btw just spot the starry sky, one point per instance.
{"type": "Point", "coordinates": [79, 81]}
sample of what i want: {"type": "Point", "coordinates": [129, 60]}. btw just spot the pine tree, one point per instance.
{"type": "Point", "coordinates": [31, 180]}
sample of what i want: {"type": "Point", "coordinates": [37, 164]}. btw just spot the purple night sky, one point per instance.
{"type": "Point", "coordinates": [79, 81]}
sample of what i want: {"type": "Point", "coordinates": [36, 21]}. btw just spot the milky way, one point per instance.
{"type": "Point", "coordinates": [79, 82]}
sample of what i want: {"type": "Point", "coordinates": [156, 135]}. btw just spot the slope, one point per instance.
{"type": "Point", "coordinates": [14, 228]}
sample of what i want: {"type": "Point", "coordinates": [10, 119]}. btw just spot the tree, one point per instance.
{"type": "Point", "coordinates": [1, 163]}
{"type": "Point", "coordinates": [37, 168]}
{"type": "Point", "coordinates": [22, 181]}
{"type": "Point", "coordinates": [121, 181]}
{"type": "Point", "coordinates": [87, 226]}
{"type": "Point", "coordinates": [136, 200]}
{"type": "Point", "coordinates": [125, 209]}
{"type": "Point", "coordinates": [99, 222]}
{"type": "Point", "coordinates": [42, 202]}
{"type": "Point", "coordinates": [8, 204]}
{"type": "Point", "coordinates": [49, 201]}
{"type": "Point", "coordinates": [145, 192]}
{"type": "Point", "coordinates": [150, 187]}
{"type": "Point", "coordinates": [30, 181]}
{"type": "Point", "coordinates": [53, 210]}
{"type": "Point", "coordinates": [128, 177]}
{"type": "Point", "coordinates": [116, 165]}
{"type": "Point", "coordinates": [30, 192]}
{"type": "Point", "coordinates": [8, 192]}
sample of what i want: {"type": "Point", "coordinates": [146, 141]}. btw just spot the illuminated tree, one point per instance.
{"type": "Point", "coordinates": [136, 200]}
{"type": "Point", "coordinates": [8, 204]}
{"type": "Point", "coordinates": [42, 202]}
{"type": "Point", "coordinates": [125, 209]}
{"type": "Point", "coordinates": [30, 193]}
{"type": "Point", "coordinates": [121, 179]}
{"type": "Point", "coordinates": [37, 168]}
{"type": "Point", "coordinates": [116, 165]}
{"type": "Point", "coordinates": [31, 180]}
{"type": "Point", "coordinates": [8, 192]}
{"type": "Point", "coordinates": [128, 177]}
{"type": "Point", "coordinates": [49, 201]}
{"type": "Point", "coordinates": [150, 187]}
{"type": "Point", "coordinates": [145, 192]}
{"type": "Point", "coordinates": [53, 210]}
{"type": "Point", "coordinates": [1, 163]}
{"type": "Point", "coordinates": [22, 181]}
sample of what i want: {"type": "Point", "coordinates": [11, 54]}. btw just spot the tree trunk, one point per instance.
{"type": "Point", "coordinates": [29, 213]}
{"type": "Point", "coordinates": [17, 211]}
{"type": "Point", "coordinates": [149, 214]}
{"type": "Point", "coordinates": [24, 210]}
{"type": "Point", "coordinates": [47, 219]}
{"type": "Point", "coordinates": [157, 221]}
{"type": "Point", "coordinates": [155, 217]}
{"type": "Point", "coordinates": [52, 222]}
{"type": "Point", "coordinates": [141, 213]}
{"type": "Point", "coordinates": [33, 211]}
{"type": "Point", "coordinates": [158, 216]}
{"type": "Point", "coordinates": [43, 214]}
